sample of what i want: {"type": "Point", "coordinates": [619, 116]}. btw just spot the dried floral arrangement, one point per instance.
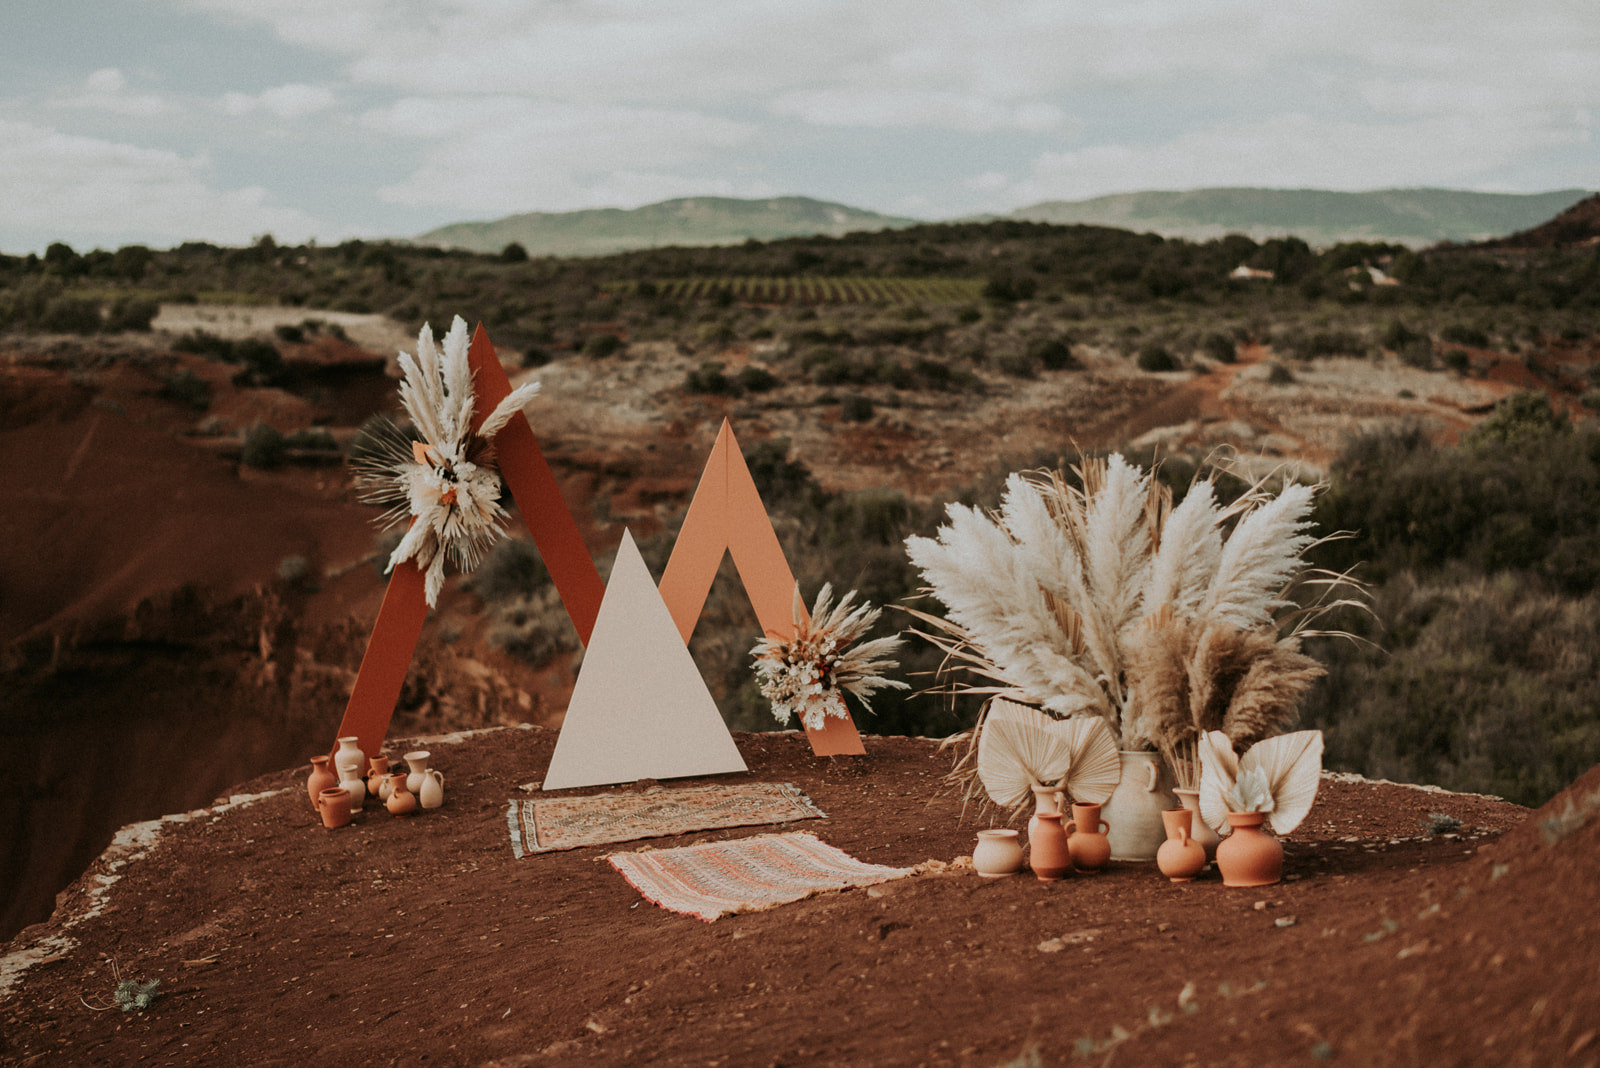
{"type": "Point", "coordinates": [446, 483]}
{"type": "Point", "coordinates": [808, 674]}
{"type": "Point", "coordinates": [1102, 599]}
{"type": "Point", "coordinates": [1278, 776]}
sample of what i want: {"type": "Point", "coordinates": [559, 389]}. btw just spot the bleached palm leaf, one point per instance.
{"type": "Point", "coordinates": [1292, 764]}
{"type": "Point", "coordinates": [1096, 768]}
{"type": "Point", "coordinates": [1219, 768]}
{"type": "Point", "coordinates": [1020, 747]}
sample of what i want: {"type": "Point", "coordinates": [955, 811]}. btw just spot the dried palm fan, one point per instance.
{"type": "Point", "coordinates": [1291, 764]}
{"type": "Point", "coordinates": [1020, 747]}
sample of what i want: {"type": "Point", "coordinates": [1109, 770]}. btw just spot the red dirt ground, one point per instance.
{"type": "Point", "coordinates": [423, 941]}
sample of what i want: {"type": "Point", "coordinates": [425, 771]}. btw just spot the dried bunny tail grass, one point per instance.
{"type": "Point", "coordinates": [1258, 560]}
{"type": "Point", "coordinates": [1222, 656]}
{"type": "Point", "coordinates": [1267, 698]}
{"type": "Point", "coordinates": [1157, 712]}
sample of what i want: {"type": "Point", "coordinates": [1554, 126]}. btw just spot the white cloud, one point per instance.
{"type": "Point", "coordinates": [1293, 150]}
{"type": "Point", "coordinates": [82, 188]}
{"type": "Point", "coordinates": [107, 90]}
{"type": "Point", "coordinates": [506, 154]}
{"type": "Point", "coordinates": [911, 107]}
{"type": "Point", "coordinates": [285, 101]}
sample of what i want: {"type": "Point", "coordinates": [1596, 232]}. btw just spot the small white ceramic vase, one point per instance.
{"type": "Point", "coordinates": [417, 761]}
{"type": "Point", "coordinates": [432, 793]}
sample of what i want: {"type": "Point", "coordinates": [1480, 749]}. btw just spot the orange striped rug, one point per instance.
{"type": "Point", "coordinates": [745, 875]}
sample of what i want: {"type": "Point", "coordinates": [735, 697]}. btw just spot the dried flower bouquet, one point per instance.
{"type": "Point", "coordinates": [1103, 599]}
{"type": "Point", "coordinates": [807, 675]}
{"type": "Point", "coordinates": [446, 483]}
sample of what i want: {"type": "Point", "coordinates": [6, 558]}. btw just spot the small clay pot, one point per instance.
{"type": "Point", "coordinates": [1087, 839]}
{"type": "Point", "coordinates": [334, 805]}
{"type": "Point", "coordinates": [998, 853]}
{"type": "Point", "coordinates": [321, 778]}
{"type": "Point", "coordinates": [377, 775]}
{"type": "Point", "coordinates": [1047, 847]}
{"type": "Point", "coordinates": [1249, 856]}
{"type": "Point", "coordinates": [1180, 857]}
{"type": "Point", "coordinates": [402, 802]}
{"type": "Point", "coordinates": [1199, 829]}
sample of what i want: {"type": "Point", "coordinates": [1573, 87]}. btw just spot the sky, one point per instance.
{"type": "Point", "coordinates": [161, 121]}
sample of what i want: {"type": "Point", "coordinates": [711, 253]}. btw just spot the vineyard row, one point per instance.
{"type": "Point", "coordinates": [847, 290]}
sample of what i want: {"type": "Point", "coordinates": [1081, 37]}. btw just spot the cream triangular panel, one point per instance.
{"type": "Point", "coordinates": [640, 709]}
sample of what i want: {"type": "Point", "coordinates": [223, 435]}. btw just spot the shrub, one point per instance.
{"type": "Point", "coordinates": [1278, 374]}
{"type": "Point", "coordinates": [1456, 359]}
{"type": "Point", "coordinates": [289, 332]}
{"type": "Point", "coordinates": [1155, 357]}
{"type": "Point", "coordinates": [599, 346]}
{"type": "Point", "coordinates": [131, 314]}
{"type": "Point", "coordinates": [1053, 354]}
{"type": "Point", "coordinates": [709, 379]}
{"type": "Point", "coordinates": [71, 315]}
{"type": "Point", "coordinates": [1016, 364]}
{"type": "Point", "coordinates": [1219, 347]}
{"type": "Point", "coordinates": [756, 379]}
{"type": "Point", "coordinates": [264, 447]}
{"type": "Point", "coordinates": [1006, 288]}
{"type": "Point", "coordinates": [1461, 334]}
{"type": "Point", "coordinates": [855, 408]}
{"type": "Point", "coordinates": [188, 388]}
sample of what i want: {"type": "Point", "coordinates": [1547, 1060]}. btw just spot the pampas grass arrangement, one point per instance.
{"type": "Point", "coordinates": [446, 484]}
{"type": "Point", "coordinates": [1101, 598]}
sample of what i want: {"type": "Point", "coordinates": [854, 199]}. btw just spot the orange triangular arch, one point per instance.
{"type": "Point", "coordinates": [727, 514]}
{"type": "Point", "coordinates": [399, 624]}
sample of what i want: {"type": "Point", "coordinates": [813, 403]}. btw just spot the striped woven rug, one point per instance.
{"type": "Point", "coordinates": [545, 824]}
{"type": "Point", "coordinates": [745, 875]}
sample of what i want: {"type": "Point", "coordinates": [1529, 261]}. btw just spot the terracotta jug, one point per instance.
{"type": "Point", "coordinates": [1047, 847]}
{"type": "Point", "coordinates": [378, 776]}
{"type": "Point", "coordinates": [1249, 856]}
{"type": "Point", "coordinates": [334, 805]}
{"type": "Point", "coordinates": [321, 778]}
{"type": "Point", "coordinates": [1199, 829]}
{"type": "Point", "coordinates": [417, 760]}
{"type": "Point", "coordinates": [1134, 810]}
{"type": "Point", "coordinates": [402, 802]}
{"type": "Point", "coordinates": [432, 793]}
{"type": "Point", "coordinates": [348, 760]}
{"type": "Point", "coordinates": [998, 853]}
{"type": "Point", "coordinates": [1180, 857]}
{"type": "Point", "coordinates": [1086, 839]}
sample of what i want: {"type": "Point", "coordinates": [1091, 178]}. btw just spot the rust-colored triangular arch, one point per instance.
{"type": "Point", "coordinates": [727, 514]}
{"type": "Point", "coordinates": [522, 464]}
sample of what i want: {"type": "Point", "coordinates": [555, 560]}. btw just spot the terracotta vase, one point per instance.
{"type": "Point", "coordinates": [349, 762]}
{"type": "Point", "coordinates": [998, 853]}
{"type": "Point", "coordinates": [1134, 810]}
{"type": "Point", "coordinates": [1086, 839]}
{"type": "Point", "coordinates": [1249, 856]}
{"type": "Point", "coordinates": [402, 802]}
{"type": "Point", "coordinates": [377, 776]}
{"type": "Point", "coordinates": [334, 806]}
{"type": "Point", "coordinates": [417, 761]}
{"type": "Point", "coordinates": [1180, 857]}
{"type": "Point", "coordinates": [431, 795]}
{"type": "Point", "coordinates": [1047, 847]}
{"type": "Point", "coordinates": [1199, 829]}
{"type": "Point", "coordinates": [321, 778]}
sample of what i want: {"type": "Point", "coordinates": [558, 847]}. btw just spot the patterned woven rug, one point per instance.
{"type": "Point", "coordinates": [745, 875]}
{"type": "Point", "coordinates": [547, 824]}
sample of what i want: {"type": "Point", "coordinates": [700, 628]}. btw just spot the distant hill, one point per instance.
{"type": "Point", "coordinates": [1414, 217]}
{"type": "Point", "coordinates": [686, 221]}
{"type": "Point", "coordinates": [1577, 227]}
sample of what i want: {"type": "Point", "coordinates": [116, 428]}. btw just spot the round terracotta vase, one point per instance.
{"type": "Point", "coordinates": [402, 802]}
{"type": "Point", "coordinates": [997, 853]}
{"type": "Point", "coordinates": [334, 805]}
{"type": "Point", "coordinates": [1180, 857]}
{"type": "Point", "coordinates": [321, 778]}
{"type": "Point", "coordinates": [1086, 839]}
{"type": "Point", "coordinates": [1249, 856]}
{"type": "Point", "coordinates": [1134, 810]}
{"type": "Point", "coordinates": [1199, 829]}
